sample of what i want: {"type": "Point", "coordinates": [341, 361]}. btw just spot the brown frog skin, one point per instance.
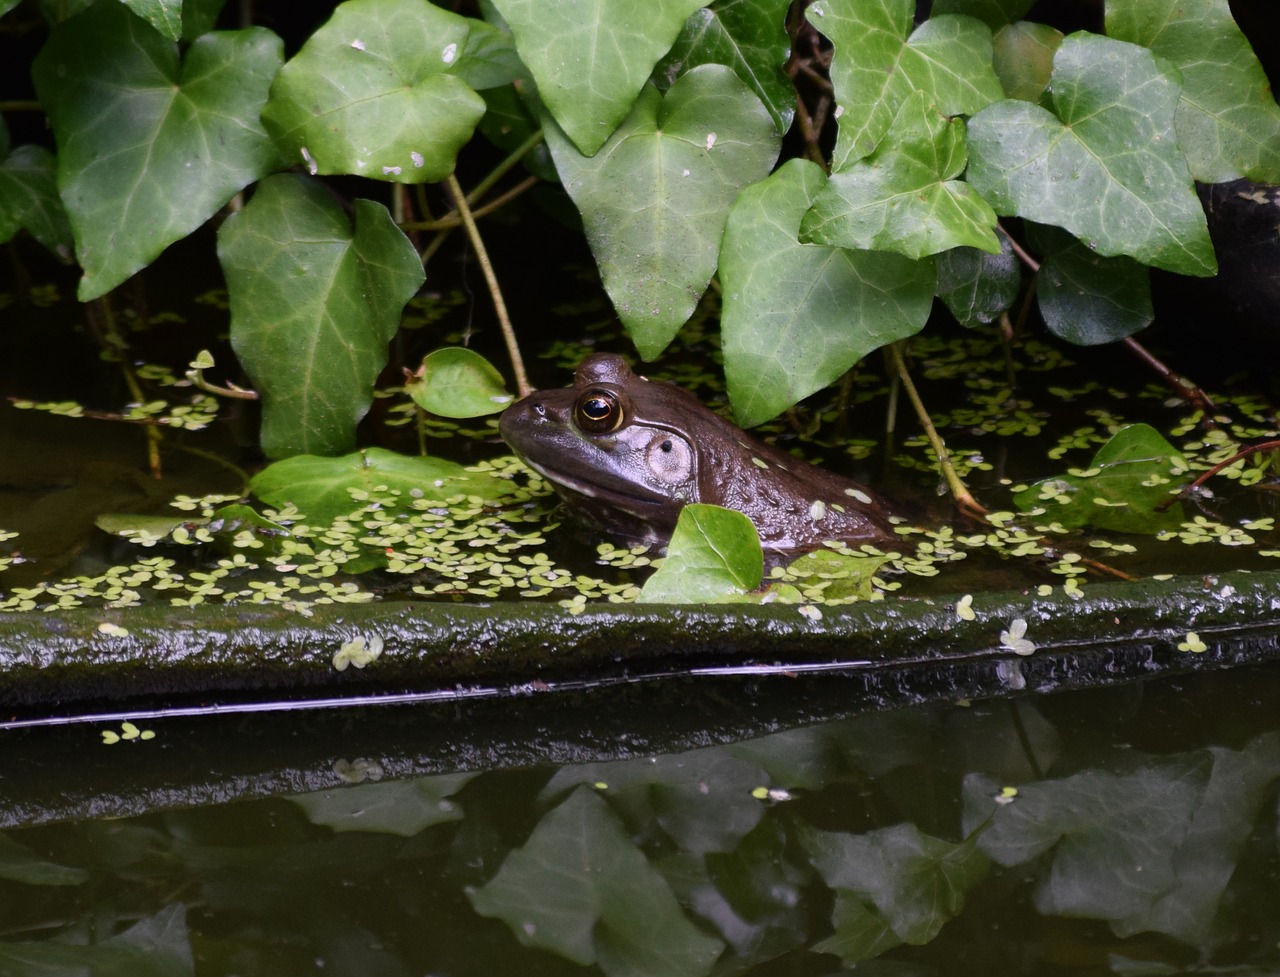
{"type": "Point", "coordinates": [629, 453]}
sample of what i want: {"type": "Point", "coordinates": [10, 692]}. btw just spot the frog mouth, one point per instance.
{"type": "Point", "coordinates": [612, 494]}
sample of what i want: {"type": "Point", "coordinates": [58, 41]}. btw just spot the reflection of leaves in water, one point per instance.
{"type": "Point", "coordinates": [402, 807]}
{"type": "Point", "coordinates": [1150, 849]}
{"type": "Point", "coordinates": [155, 947]}
{"type": "Point", "coordinates": [580, 888]}
{"type": "Point", "coordinates": [895, 885]}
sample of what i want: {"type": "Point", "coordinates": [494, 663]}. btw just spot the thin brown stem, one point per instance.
{"type": "Point", "coordinates": [959, 491]}
{"type": "Point", "coordinates": [1184, 388]}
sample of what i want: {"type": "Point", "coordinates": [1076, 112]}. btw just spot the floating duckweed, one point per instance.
{"type": "Point", "coordinates": [1015, 639]}
{"type": "Point", "coordinates": [1192, 643]}
{"type": "Point", "coordinates": [964, 608]}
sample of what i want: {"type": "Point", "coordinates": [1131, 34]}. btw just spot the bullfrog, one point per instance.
{"type": "Point", "coordinates": [628, 453]}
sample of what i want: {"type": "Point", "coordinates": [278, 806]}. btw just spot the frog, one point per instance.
{"type": "Point", "coordinates": [627, 454]}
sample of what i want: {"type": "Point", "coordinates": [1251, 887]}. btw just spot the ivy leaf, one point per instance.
{"type": "Point", "coordinates": [164, 15]}
{"type": "Point", "coordinates": [875, 67]}
{"type": "Point", "coordinates": [976, 286]}
{"type": "Point", "coordinates": [994, 13]}
{"type": "Point", "coordinates": [21, 864]}
{"type": "Point", "coordinates": [29, 199]}
{"type": "Point", "coordinates": [1228, 122]}
{"type": "Point", "coordinates": [591, 58]}
{"type": "Point", "coordinates": [402, 807]}
{"type": "Point", "coordinates": [894, 885]}
{"type": "Point", "coordinates": [714, 554]}
{"type": "Point", "coordinates": [458, 382]}
{"type": "Point", "coordinates": [797, 316]}
{"type": "Point", "coordinates": [655, 199]}
{"type": "Point", "coordinates": [1023, 55]}
{"type": "Point", "coordinates": [1121, 490]}
{"type": "Point", "coordinates": [750, 37]}
{"type": "Point", "coordinates": [378, 91]}
{"type": "Point", "coordinates": [322, 488]}
{"type": "Point", "coordinates": [157, 946]}
{"type": "Point", "coordinates": [580, 888]}
{"type": "Point", "coordinates": [150, 147]}
{"type": "Point", "coordinates": [1104, 164]}
{"type": "Point", "coordinates": [903, 197]}
{"type": "Point", "coordinates": [309, 292]}
{"type": "Point", "coordinates": [1085, 298]}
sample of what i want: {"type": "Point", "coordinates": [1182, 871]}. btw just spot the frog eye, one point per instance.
{"type": "Point", "coordinates": [599, 412]}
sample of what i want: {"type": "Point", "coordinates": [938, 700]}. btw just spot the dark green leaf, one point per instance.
{"type": "Point", "coordinates": [976, 286]}
{"type": "Point", "coordinates": [1085, 298]}
{"type": "Point", "coordinates": [796, 317]}
{"type": "Point", "coordinates": [1148, 849]}
{"type": "Point", "coordinates": [149, 148]}
{"type": "Point", "coordinates": [378, 91]}
{"type": "Point", "coordinates": [655, 199]}
{"type": "Point", "coordinates": [908, 881]}
{"type": "Point", "coordinates": [458, 382]}
{"type": "Point", "coordinates": [1024, 58]}
{"type": "Point", "coordinates": [591, 58]}
{"type": "Point", "coordinates": [399, 807]}
{"type": "Point", "coordinates": [714, 554]}
{"type": "Point", "coordinates": [579, 888]}
{"type": "Point", "coordinates": [702, 800]}
{"type": "Point", "coordinates": [904, 196]}
{"type": "Point", "coordinates": [20, 864]}
{"type": "Point", "coordinates": [875, 68]}
{"type": "Point", "coordinates": [1121, 490]}
{"type": "Point", "coordinates": [29, 199]}
{"type": "Point", "coordinates": [158, 946]}
{"type": "Point", "coordinates": [750, 37]}
{"type": "Point", "coordinates": [1106, 166]}
{"type": "Point", "coordinates": [322, 487]}
{"type": "Point", "coordinates": [1228, 122]}
{"type": "Point", "coordinates": [313, 305]}
{"type": "Point", "coordinates": [994, 13]}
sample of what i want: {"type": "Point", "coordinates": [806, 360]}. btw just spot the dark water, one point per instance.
{"type": "Point", "coordinates": [1135, 832]}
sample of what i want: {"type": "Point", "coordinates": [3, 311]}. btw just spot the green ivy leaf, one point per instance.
{"type": "Point", "coordinates": [994, 13]}
{"type": "Point", "coordinates": [164, 15]}
{"type": "Point", "coordinates": [29, 199]}
{"type": "Point", "coordinates": [714, 554]}
{"type": "Point", "coordinates": [1121, 490]}
{"type": "Point", "coordinates": [580, 888]}
{"type": "Point", "coordinates": [378, 91]}
{"type": "Point", "coordinates": [1228, 122]}
{"type": "Point", "coordinates": [401, 807]}
{"type": "Point", "coordinates": [1023, 55]}
{"type": "Point", "coordinates": [903, 197]}
{"type": "Point", "coordinates": [1106, 166]}
{"type": "Point", "coordinates": [322, 488]}
{"type": "Point", "coordinates": [1085, 298]}
{"type": "Point", "coordinates": [976, 286]}
{"type": "Point", "coordinates": [750, 37]}
{"type": "Point", "coordinates": [458, 382]}
{"type": "Point", "coordinates": [591, 58]}
{"type": "Point", "coordinates": [158, 946]}
{"type": "Point", "coordinates": [894, 885]}
{"type": "Point", "coordinates": [314, 304]}
{"type": "Point", "coordinates": [655, 199]}
{"type": "Point", "coordinates": [875, 67]}
{"type": "Point", "coordinates": [21, 864]}
{"type": "Point", "coordinates": [796, 317]}
{"type": "Point", "coordinates": [150, 147]}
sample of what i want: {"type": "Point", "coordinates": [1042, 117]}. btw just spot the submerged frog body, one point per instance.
{"type": "Point", "coordinates": [629, 453]}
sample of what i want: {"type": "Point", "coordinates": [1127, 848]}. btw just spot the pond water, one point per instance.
{"type": "Point", "coordinates": [1130, 830]}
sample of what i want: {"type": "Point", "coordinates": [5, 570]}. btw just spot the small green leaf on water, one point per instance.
{"type": "Point", "coordinates": [110, 736]}
{"type": "Point", "coordinates": [1193, 644]}
{"type": "Point", "coordinates": [458, 382]}
{"type": "Point", "coordinates": [359, 652]}
{"type": "Point", "coordinates": [1123, 489]}
{"type": "Point", "coordinates": [714, 555]}
{"type": "Point", "coordinates": [1015, 639]}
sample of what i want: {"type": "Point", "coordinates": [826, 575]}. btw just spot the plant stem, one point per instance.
{"type": "Point", "coordinates": [120, 348]}
{"type": "Point", "coordinates": [959, 491]}
{"type": "Point", "coordinates": [499, 306]}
